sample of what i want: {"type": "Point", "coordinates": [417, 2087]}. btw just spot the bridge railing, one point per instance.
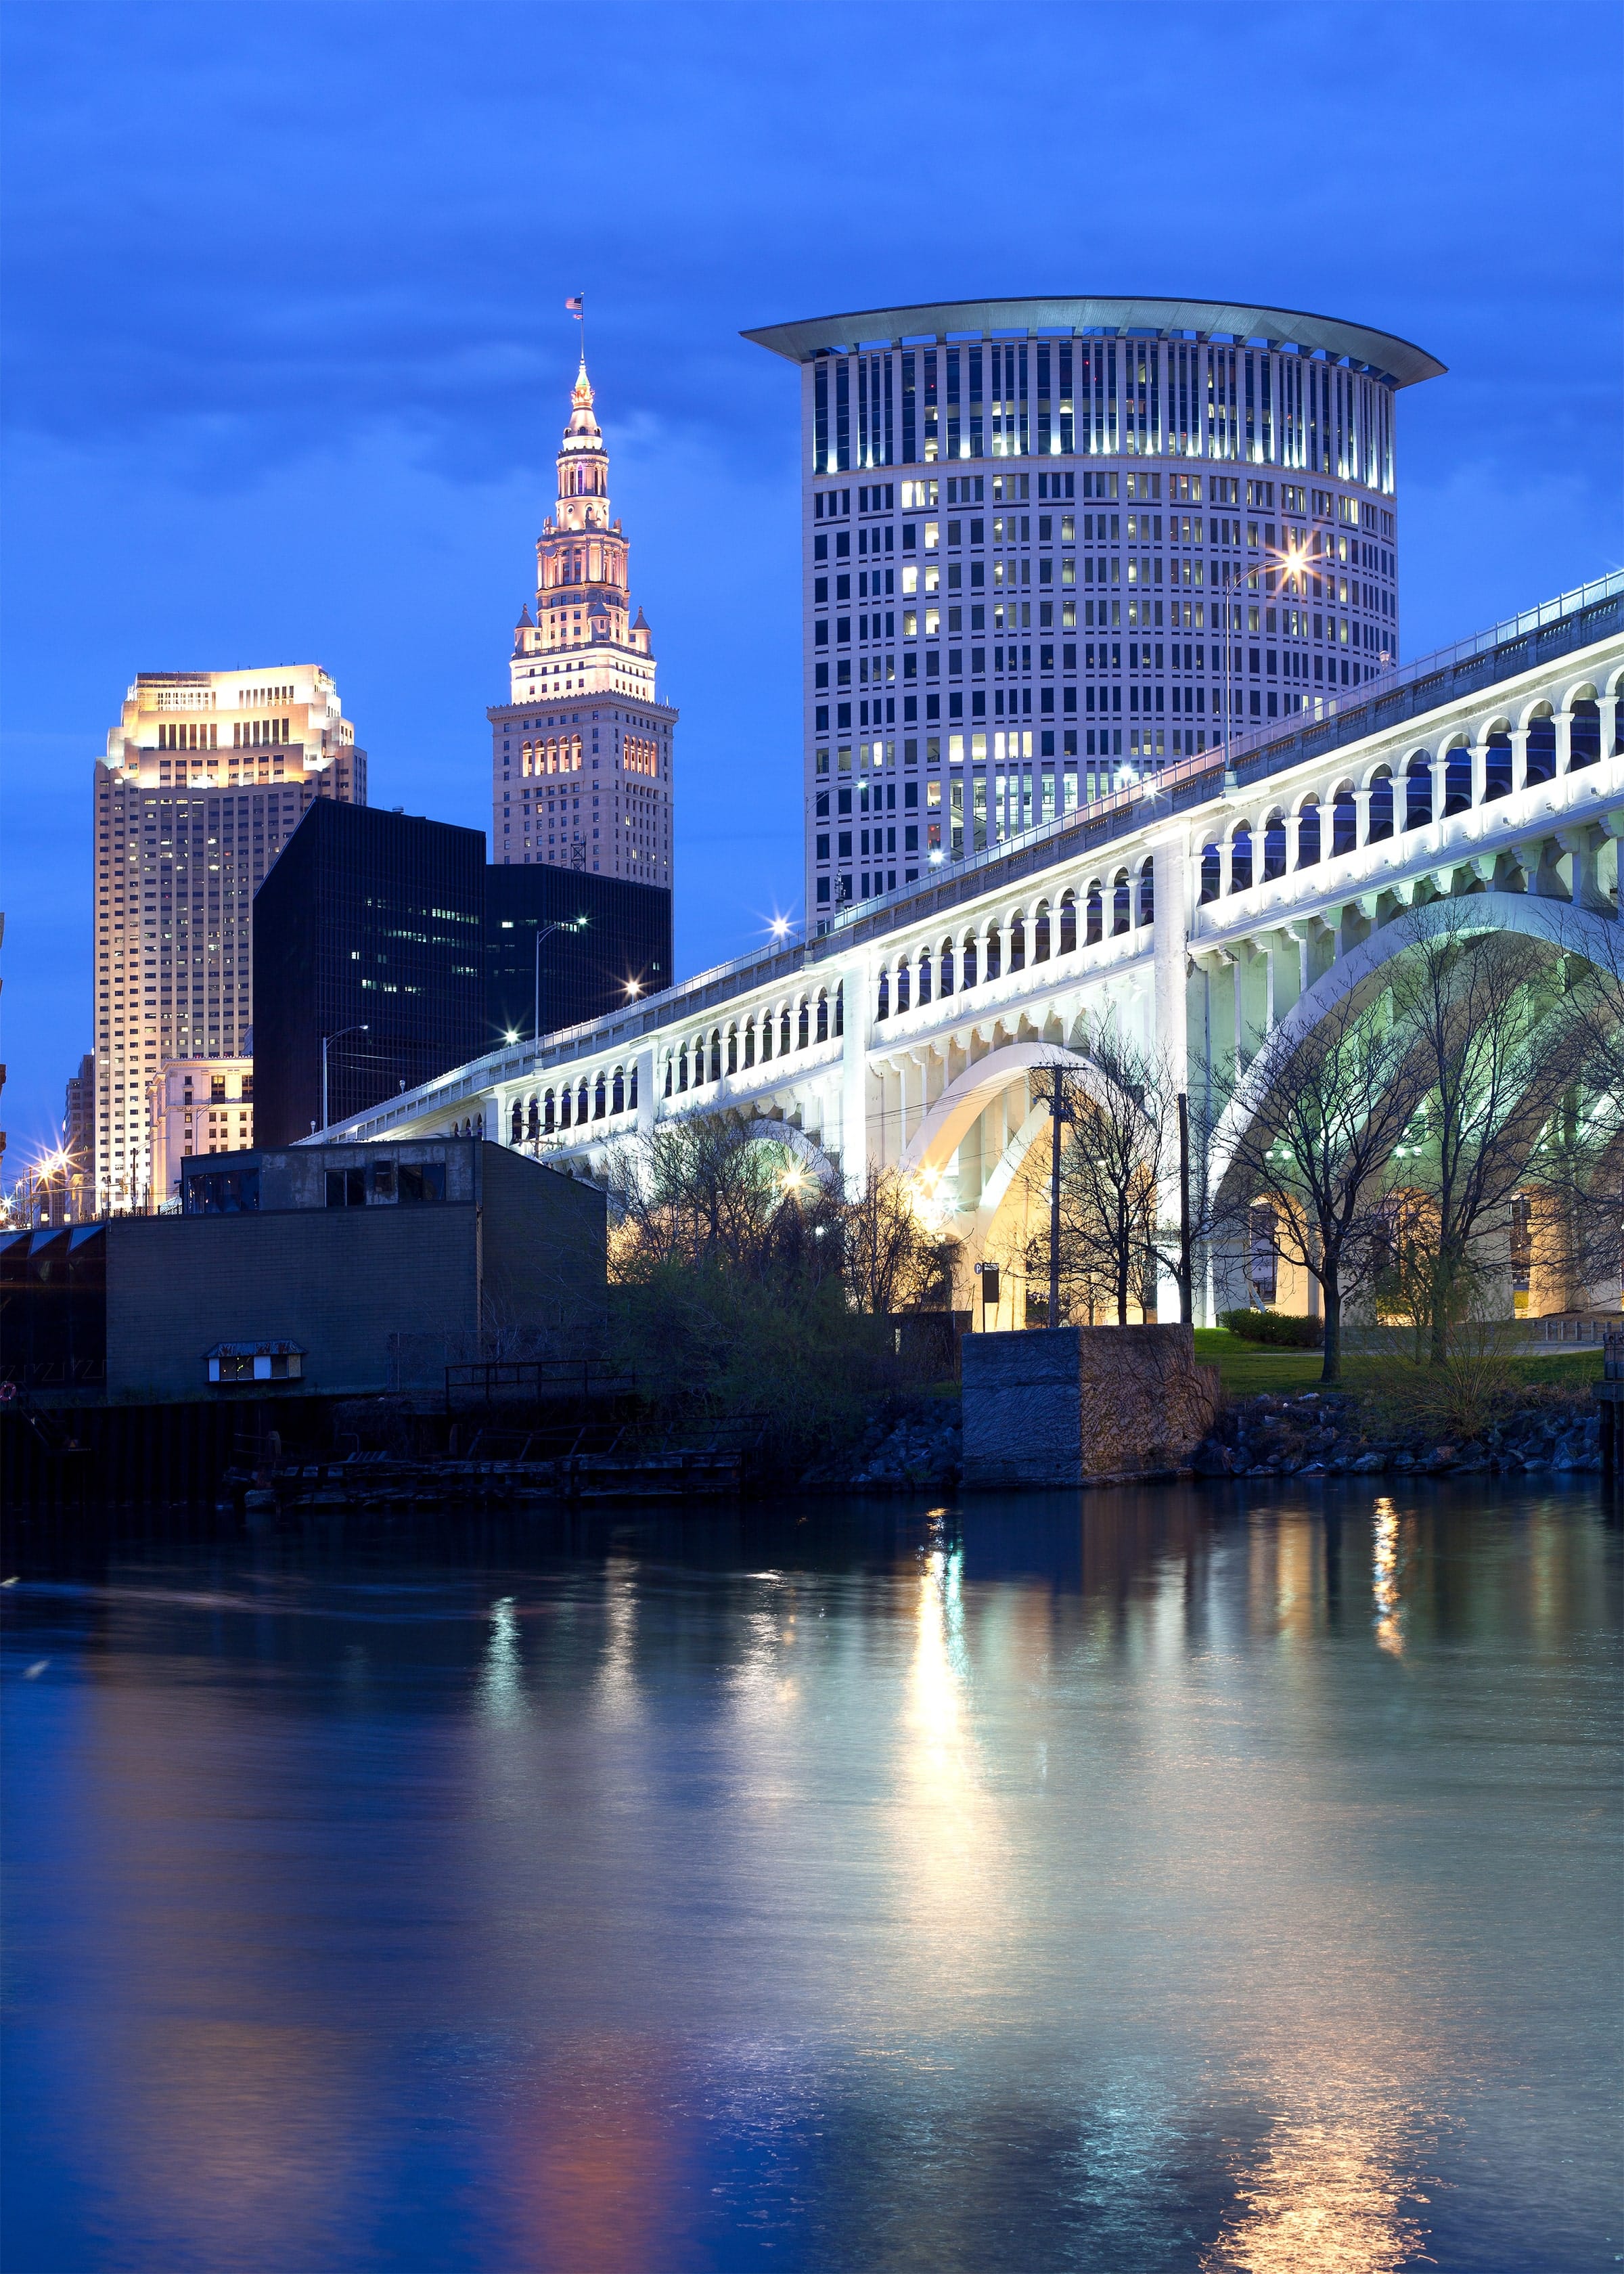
{"type": "Point", "coordinates": [1536, 636]}
{"type": "Point", "coordinates": [1588, 612]}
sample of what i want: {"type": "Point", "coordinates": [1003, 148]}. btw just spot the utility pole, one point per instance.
{"type": "Point", "coordinates": [1186, 1287]}
{"type": "Point", "coordinates": [1058, 1113]}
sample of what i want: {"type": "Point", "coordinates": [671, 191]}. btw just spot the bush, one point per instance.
{"type": "Point", "coordinates": [794, 1360]}
{"type": "Point", "coordinates": [1274, 1328]}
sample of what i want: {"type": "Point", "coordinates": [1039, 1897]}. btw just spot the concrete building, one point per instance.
{"type": "Point", "coordinates": [581, 752]}
{"type": "Point", "coordinates": [368, 936]}
{"type": "Point", "coordinates": [332, 1269]}
{"type": "Point", "coordinates": [1049, 547]}
{"type": "Point", "coordinates": [206, 777]}
{"type": "Point", "coordinates": [196, 1106]}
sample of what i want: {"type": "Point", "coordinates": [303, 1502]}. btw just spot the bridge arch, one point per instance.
{"type": "Point", "coordinates": [1575, 931]}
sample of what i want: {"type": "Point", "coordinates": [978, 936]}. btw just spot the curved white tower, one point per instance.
{"type": "Point", "coordinates": [582, 750]}
{"type": "Point", "coordinates": [1050, 544]}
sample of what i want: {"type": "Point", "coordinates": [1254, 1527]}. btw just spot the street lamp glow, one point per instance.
{"type": "Point", "coordinates": [633, 988]}
{"type": "Point", "coordinates": [780, 927]}
{"type": "Point", "coordinates": [511, 1034]}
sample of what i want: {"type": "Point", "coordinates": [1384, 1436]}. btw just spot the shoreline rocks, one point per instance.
{"type": "Point", "coordinates": [1329, 1433]}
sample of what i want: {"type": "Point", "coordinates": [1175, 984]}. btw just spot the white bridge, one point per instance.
{"type": "Point", "coordinates": [1197, 909]}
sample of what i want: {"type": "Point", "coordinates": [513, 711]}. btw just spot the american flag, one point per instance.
{"type": "Point", "coordinates": [577, 307]}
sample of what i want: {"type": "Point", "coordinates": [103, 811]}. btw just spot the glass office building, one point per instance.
{"type": "Point", "coordinates": [1050, 545]}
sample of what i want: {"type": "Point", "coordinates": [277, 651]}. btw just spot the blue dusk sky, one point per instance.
{"type": "Point", "coordinates": [286, 360]}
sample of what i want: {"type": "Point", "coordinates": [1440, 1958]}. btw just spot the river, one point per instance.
{"type": "Point", "coordinates": [1182, 1879]}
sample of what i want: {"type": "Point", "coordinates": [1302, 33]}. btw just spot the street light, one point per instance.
{"type": "Point", "coordinates": [1293, 561]}
{"type": "Point", "coordinates": [326, 1039]}
{"type": "Point", "coordinates": [545, 931]}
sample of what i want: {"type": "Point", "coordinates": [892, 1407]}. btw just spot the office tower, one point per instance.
{"type": "Point", "coordinates": [1050, 545]}
{"type": "Point", "coordinates": [78, 1136]}
{"type": "Point", "coordinates": [369, 920]}
{"type": "Point", "coordinates": [206, 777]}
{"type": "Point", "coordinates": [621, 951]}
{"type": "Point", "coordinates": [581, 753]}
{"type": "Point", "coordinates": [197, 1105]}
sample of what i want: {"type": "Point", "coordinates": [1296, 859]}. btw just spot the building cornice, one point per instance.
{"type": "Point", "coordinates": [1380, 353]}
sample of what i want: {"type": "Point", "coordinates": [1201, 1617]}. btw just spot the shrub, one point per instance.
{"type": "Point", "coordinates": [1279, 1330]}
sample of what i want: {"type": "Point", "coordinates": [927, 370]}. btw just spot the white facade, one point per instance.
{"type": "Point", "coordinates": [207, 776]}
{"type": "Point", "coordinates": [1101, 530]}
{"type": "Point", "coordinates": [581, 753]}
{"type": "Point", "coordinates": [197, 1105]}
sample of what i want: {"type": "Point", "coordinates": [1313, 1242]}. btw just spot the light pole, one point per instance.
{"type": "Point", "coordinates": [1290, 562]}
{"type": "Point", "coordinates": [326, 1039]}
{"type": "Point", "coordinates": [545, 931]}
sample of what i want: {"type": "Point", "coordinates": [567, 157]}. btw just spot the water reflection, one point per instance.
{"type": "Point", "coordinates": [1099, 1884]}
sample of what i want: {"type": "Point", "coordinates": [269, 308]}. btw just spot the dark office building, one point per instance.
{"type": "Point", "coordinates": [624, 945]}
{"type": "Point", "coordinates": [369, 919]}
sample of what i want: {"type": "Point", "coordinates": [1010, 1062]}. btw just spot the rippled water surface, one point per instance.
{"type": "Point", "coordinates": [1179, 1881]}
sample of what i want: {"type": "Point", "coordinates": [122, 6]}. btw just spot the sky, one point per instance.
{"type": "Point", "coordinates": [286, 360]}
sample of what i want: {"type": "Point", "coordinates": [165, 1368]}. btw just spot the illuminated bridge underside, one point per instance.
{"type": "Point", "coordinates": [1197, 918]}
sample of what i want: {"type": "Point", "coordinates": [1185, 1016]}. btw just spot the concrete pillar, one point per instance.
{"type": "Point", "coordinates": [1361, 807]}
{"type": "Point", "coordinates": [857, 1022]}
{"type": "Point", "coordinates": [1479, 773]}
{"type": "Point", "coordinates": [1519, 759]}
{"type": "Point", "coordinates": [1171, 859]}
{"type": "Point", "coordinates": [1563, 723]}
{"type": "Point", "coordinates": [648, 1107]}
{"type": "Point", "coordinates": [1608, 706]}
{"type": "Point", "coordinates": [1294, 832]}
{"type": "Point", "coordinates": [1438, 768]}
{"type": "Point", "coordinates": [1584, 846]}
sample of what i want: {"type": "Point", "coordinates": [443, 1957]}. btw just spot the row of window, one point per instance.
{"type": "Point", "coordinates": [1101, 397]}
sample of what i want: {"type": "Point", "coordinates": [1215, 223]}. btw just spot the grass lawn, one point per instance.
{"type": "Point", "coordinates": [1245, 1368]}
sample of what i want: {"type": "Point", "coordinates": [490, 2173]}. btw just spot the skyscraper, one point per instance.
{"type": "Point", "coordinates": [206, 777]}
{"type": "Point", "coordinates": [1050, 545]}
{"type": "Point", "coordinates": [370, 933]}
{"type": "Point", "coordinates": [581, 754]}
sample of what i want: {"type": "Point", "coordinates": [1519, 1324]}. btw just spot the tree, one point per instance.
{"type": "Point", "coordinates": [891, 1260]}
{"type": "Point", "coordinates": [705, 1194]}
{"type": "Point", "coordinates": [1104, 1207]}
{"type": "Point", "coordinates": [1320, 1115]}
{"type": "Point", "coordinates": [1495, 1037]}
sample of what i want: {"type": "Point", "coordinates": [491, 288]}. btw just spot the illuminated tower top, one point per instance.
{"type": "Point", "coordinates": [583, 640]}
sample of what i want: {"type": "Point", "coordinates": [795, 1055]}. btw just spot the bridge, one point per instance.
{"type": "Point", "coordinates": [1197, 909]}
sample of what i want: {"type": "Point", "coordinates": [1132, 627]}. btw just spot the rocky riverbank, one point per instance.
{"type": "Point", "coordinates": [1324, 1434]}
{"type": "Point", "coordinates": [1309, 1433]}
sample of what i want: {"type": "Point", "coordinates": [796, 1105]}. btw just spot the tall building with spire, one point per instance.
{"type": "Point", "coordinates": [581, 754]}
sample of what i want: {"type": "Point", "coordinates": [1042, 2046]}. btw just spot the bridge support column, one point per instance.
{"type": "Point", "coordinates": [646, 1108]}
{"type": "Point", "coordinates": [1172, 952]}
{"type": "Point", "coordinates": [857, 1022]}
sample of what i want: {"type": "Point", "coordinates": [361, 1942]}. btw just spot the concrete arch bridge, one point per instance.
{"type": "Point", "coordinates": [1196, 910]}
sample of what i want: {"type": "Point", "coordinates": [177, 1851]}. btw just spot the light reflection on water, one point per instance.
{"type": "Point", "coordinates": [1188, 1882]}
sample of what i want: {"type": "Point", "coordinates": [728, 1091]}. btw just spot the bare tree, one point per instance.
{"type": "Point", "coordinates": [707, 1195]}
{"type": "Point", "coordinates": [1097, 1245]}
{"type": "Point", "coordinates": [1319, 1116]}
{"type": "Point", "coordinates": [891, 1260]}
{"type": "Point", "coordinates": [1495, 1041]}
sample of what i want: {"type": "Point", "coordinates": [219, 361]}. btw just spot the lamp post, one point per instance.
{"type": "Point", "coordinates": [326, 1039]}
{"type": "Point", "coordinates": [1290, 562]}
{"type": "Point", "coordinates": [545, 931]}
